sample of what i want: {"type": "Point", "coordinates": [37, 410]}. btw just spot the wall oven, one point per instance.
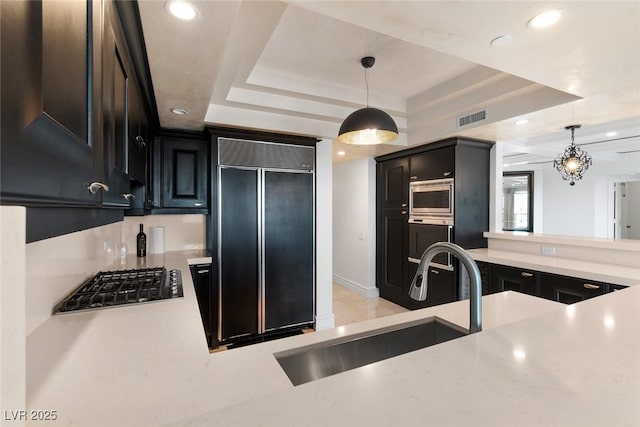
{"type": "Point", "coordinates": [431, 202]}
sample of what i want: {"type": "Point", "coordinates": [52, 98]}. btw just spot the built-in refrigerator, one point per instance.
{"type": "Point", "coordinates": [266, 238]}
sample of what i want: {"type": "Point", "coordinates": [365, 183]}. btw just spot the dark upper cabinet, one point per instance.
{"type": "Point", "coordinates": [393, 183]}
{"type": "Point", "coordinates": [569, 290]}
{"type": "Point", "coordinates": [51, 96]}
{"type": "Point", "coordinates": [181, 173]}
{"type": "Point", "coordinates": [115, 108]}
{"type": "Point", "coordinates": [137, 141]}
{"type": "Point", "coordinates": [433, 164]}
{"type": "Point", "coordinates": [504, 278]}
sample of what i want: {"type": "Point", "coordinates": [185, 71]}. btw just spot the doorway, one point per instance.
{"type": "Point", "coordinates": [626, 203]}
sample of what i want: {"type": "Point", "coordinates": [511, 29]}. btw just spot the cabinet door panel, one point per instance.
{"type": "Point", "coordinates": [184, 173]}
{"type": "Point", "coordinates": [569, 290]}
{"type": "Point", "coordinates": [50, 102]}
{"type": "Point", "coordinates": [391, 253]}
{"type": "Point", "coordinates": [239, 252]}
{"type": "Point", "coordinates": [288, 249]}
{"type": "Point", "coordinates": [433, 164]}
{"type": "Point", "coordinates": [201, 275]}
{"type": "Point", "coordinates": [504, 278]}
{"type": "Point", "coordinates": [393, 183]}
{"type": "Point", "coordinates": [115, 87]}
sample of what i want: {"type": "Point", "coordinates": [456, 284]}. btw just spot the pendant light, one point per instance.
{"type": "Point", "coordinates": [368, 126]}
{"type": "Point", "coordinates": [574, 162]}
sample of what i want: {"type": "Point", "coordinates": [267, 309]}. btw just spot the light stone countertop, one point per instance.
{"type": "Point", "coordinates": [536, 362]}
{"type": "Point", "coordinates": [608, 273]}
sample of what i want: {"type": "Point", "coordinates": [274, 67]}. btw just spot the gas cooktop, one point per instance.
{"type": "Point", "coordinates": [122, 287]}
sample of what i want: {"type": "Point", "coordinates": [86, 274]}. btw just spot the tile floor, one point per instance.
{"type": "Point", "coordinates": [349, 307]}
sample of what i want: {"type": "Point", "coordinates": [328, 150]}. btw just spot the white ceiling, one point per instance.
{"type": "Point", "coordinates": [295, 67]}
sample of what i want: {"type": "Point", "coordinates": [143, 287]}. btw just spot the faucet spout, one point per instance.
{"type": "Point", "coordinates": [418, 289]}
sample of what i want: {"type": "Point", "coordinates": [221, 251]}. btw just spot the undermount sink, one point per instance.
{"type": "Point", "coordinates": [312, 362]}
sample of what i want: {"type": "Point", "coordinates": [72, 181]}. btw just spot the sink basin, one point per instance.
{"type": "Point", "coordinates": [309, 363]}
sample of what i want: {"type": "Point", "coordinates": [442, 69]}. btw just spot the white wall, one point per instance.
{"type": "Point", "coordinates": [585, 209]}
{"type": "Point", "coordinates": [324, 243]}
{"type": "Point", "coordinates": [13, 382]}
{"type": "Point", "coordinates": [354, 226]}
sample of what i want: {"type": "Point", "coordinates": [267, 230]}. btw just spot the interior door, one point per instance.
{"type": "Point", "coordinates": [288, 249]}
{"type": "Point", "coordinates": [239, 252]}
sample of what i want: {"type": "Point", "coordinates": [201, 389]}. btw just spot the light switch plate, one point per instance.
{"type": "Point", "coordinates": [548, 250]}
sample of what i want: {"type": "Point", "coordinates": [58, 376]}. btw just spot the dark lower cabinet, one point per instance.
{"type": "Point", "coordinates": [392, 248]}
{"type": "Point", "coordinates": [614, 288]}
{"type": "Point", "coordinates": [569, 290]}
{"type": "Point", "coordinates": [504, 278]}
{"type": "Point", "coordinates": [441, 286]}
{"type": "Point", "coordinates": [565, 289]}
{"type": "Point", "coordinates": [202, 275]}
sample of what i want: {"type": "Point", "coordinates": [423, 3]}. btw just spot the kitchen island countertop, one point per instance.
{"type": "Point", "coordinates": [602, 272]}
{"type": "Point", "coordinates": [536, 362]}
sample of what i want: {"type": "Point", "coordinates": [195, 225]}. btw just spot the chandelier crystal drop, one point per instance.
{"type": "Point", "coordinates": [574, 161]}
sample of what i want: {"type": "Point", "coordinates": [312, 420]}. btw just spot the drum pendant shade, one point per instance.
{"type": "Point", "coordinates": [368, 126]}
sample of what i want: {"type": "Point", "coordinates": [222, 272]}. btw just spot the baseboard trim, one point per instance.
{"type": "Point", "coordinates": [325, 322]}
{"type": "Point", "coordinates": [356, 287]}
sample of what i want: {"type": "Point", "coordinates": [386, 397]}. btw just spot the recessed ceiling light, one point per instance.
{"type": "Point", "coordinates": [521, 122]}
{"type": "Point", "coordinates": [182, 9]}
{"type": "Point", "coordinates": [545, 19]}
{"type": "Point", "coordinates": [611, 134]}
{"type": "Point", "coordinates": [179, 111]}
{"type": "Point", "coordinates": [501, 40]}
{"type": "Point", "coordinates": [341, 153]}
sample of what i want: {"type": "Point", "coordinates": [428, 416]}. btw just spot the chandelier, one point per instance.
{"type": "Point", "coordinates": [574, 162]}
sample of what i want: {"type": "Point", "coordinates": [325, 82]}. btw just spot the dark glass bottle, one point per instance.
{"type": "Point", "coordinates": [141, 243]}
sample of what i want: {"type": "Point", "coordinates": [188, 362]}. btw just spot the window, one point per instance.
{"type": "Point", "coordinates": [517, 201]}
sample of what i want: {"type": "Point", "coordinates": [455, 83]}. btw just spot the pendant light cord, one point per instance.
{"type": "Point", "coordinates": [366, 82]}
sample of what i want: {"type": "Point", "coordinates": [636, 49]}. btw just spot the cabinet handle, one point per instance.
{"type": "Point", "coordinates": [95, 186]}
{"type": "Point", "coordinates": [524, 274]}
{"type": "Point", "coordinates": [203, 271]}
{"type": "Point", "coordinates": [128, 196]}
{"type": "Point", "coordinates": [447, 173]}
{"type": "Point", "coordinates": [404, 205]}
{"type": "Point", "coordinates": [404, 212]}
{"type": "Point", "coordinates": [198, 204]}
{"type": "Point", "coordinates": [140, 141]}
{"type": "Point", "coordinates": [590, 286]}
{"type": "Point", "coordinates": [414, 177]}
{"type": "Point", "coordinates": [435, 271]}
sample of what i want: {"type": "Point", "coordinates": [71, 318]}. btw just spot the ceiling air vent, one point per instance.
{"type": "Point", "coordinates": [472, 118]}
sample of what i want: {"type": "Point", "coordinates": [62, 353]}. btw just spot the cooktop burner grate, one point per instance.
{"type": "Point", "coordinates": [114, 288]}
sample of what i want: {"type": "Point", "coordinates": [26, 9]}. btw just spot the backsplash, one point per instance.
{"type": "Point", "coordinates": [55, 266]}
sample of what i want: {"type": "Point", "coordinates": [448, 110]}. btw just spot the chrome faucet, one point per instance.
{"type": "Point", "coordinates": [418, 290]}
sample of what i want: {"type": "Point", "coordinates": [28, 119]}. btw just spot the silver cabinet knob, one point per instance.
{"type": "Point", "coordinates": [447, 173]}
{"type": "Point", "coordinates": [128, 196]}
{"type": "Point", "coordinates": [524, 274]}
{"type": "Point", "coordinates": [95, 186]}
{"type": "Point", "coordinates": [140, 141]}
{"type": "Point", "coordinates": [414, 177]}
{"type": "Point", "coordinates": [590, 286]}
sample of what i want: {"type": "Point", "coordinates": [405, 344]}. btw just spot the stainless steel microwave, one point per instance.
{"type": "Point", "coordinates": [431, 202]}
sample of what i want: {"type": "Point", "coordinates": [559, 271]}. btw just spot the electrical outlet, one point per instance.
{"type": "Point", "coordinates": [548, 250]}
